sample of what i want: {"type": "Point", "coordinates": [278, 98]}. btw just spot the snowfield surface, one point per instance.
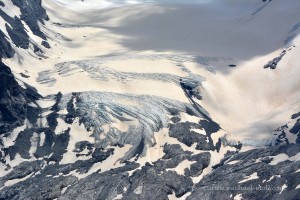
{"type": "Point", "coordinates": [145, 48]}
{"type": "Point", "coordinates": [142, 81]}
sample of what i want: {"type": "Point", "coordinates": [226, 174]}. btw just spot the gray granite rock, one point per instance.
{"type": "Point", "coordinates": [276, 181]}
{"type": "Point", "coordinates": [13, 101]}
{"type": "Point", "coordinates": [182, 131]}
{"type": "Point", "coordinates": [32, 13]}
{"type": "Point", "coordinates": [6, 51]}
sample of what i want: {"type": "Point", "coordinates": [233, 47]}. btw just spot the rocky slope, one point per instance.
{"type": "Point", "coordinates": [13, 101]}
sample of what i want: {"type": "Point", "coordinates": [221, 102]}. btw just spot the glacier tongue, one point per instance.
{"type": "Point", "coordinates": [142, 114]}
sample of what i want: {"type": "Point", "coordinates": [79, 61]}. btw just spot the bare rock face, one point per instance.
{"type": "Point", "coordinates": [273, 63]}
{"type": "Point", "coordinates": [254, 174]}
{"type": "Point", "coordinates": [32, 13]}
{"type": "Point", "coordinates": [13, 103]}
{"type": "Point", "coordinates": [6, 51]}
{"type": "Point", "coordinates": [14, 98]}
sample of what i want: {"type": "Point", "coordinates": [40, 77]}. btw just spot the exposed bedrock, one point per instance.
{"type": "Point", "coordinates": [291, 128]}
{"type": "Point", "coordinates": [152, 181]}
{"type": "Point", "coordinates": [262, 168]}
{"type": "Point", "coordinates": [6, 50]}
{"type": "Point", "coordinates": [255, 174]}
{"type": "Point", "coordinates": [184, 133]}
{"type": "Point", "coordinates": [273, 63]}
{"type": "Point", "coordinates": [13, 101]}
{"type": "Point", "coordinates": [32, 13]}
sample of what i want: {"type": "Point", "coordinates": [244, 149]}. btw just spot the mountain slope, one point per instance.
{"type": "Point", "coordinates": [149, 100]}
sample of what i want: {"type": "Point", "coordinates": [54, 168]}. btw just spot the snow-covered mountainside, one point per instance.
{"type": "Point", "coordinates": [149, 100]}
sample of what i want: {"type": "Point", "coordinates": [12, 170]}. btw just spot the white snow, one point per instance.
{"type": "Point", "coordinates": [230, 90]}
{"type": "Point", "coordinates": [45, 103]}
{"type": "Point", "coordinates": [42, 139]}
{"type": "Point", "coordinates": [238, 197]}
{"type": "Point", "coordinates": [279, 158]}
{"type": "Point", "coordinates": [250, 177]}
{"type": "Point", "coordinates": [10, 9]}
{"type": "Point", "coordinates": [283, 157]}
{"type": "Point", "coordinates": [119, 196]}
{"type": "Point", "coordinates": [138, 190]}
{"type": "Point", "coordinates": [34, 144]}
{"type": "Point", "coordinates": [10, 139]}
{"type": "Point", "coordinates": [283, 188]}
{"type": "Point", "coordinates": [182, 166]}
{"type": "Point", "coordinates": [77, 133]}
{"type": "Point", "coordinates": [14, 181]}
{"type": "Point", "coordinates": [274, 176]}
{"type": "Point", "coordinates": [200, 131]}
{"type": "Point", "coordinates": [233, 162]}
{"type": "Point", "coordinates": [173, 197]}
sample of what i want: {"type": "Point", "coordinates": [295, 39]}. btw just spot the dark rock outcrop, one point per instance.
{"type": "Point", "coordinates": [32, 13]}
{"type": "Point", "coordinates": [252, 176]}
{"type": "Point", "coordinates": [273, 63]}
{"type": "Point", "coordinates": [183, 133]}
{"type": "Point", "coordinates": [13, 101]}
{"type": "Point", "coordinates": [202, 162]}
{"type": "Point", "coordinates": [46, 44]}
{"type": "Point", "coordinates": [6, 51]}
{"type": "Point", "coordinates": [16, 30]}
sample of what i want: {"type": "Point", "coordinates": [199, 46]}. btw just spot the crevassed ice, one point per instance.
{"type": "Point", "coordinates": [143, 114]}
